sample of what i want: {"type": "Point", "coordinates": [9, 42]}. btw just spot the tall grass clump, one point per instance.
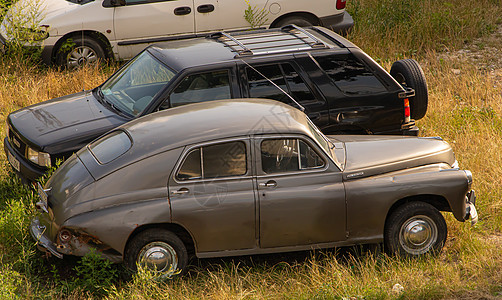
{"type": "Point", "coordinates": [403, 28]}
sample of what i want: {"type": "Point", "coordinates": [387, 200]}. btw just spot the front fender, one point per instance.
{"type": "Point", "coordinates": [370, 199]}
{"type": "Point", "coordinates": [112, 226]}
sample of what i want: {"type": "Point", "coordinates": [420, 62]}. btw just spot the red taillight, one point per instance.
{"type": "Point", "coordinates": [340, 4]}
{"type": "Point", "coordinates": [407, 112]}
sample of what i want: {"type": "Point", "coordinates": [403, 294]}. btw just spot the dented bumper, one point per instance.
{"type": "Point", "coordinates": [37, 231]}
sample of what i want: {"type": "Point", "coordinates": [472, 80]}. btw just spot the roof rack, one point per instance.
{"type": "Point", "coordinates": [286, 39]}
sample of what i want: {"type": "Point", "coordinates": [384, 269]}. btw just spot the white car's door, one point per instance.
{"type": "Point", "coordinates": [141, 22]}
{"type": "Point", "coordinates": [217, 15]}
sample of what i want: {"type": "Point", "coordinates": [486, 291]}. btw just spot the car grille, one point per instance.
{"type": "Point", "coordinates": [16, 143]}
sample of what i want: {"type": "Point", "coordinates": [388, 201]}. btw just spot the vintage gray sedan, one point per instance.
{"type": "Point", "coordinates": [242, 177]}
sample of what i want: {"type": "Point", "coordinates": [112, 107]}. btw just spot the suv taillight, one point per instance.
{"type": "Point", "coordinates": [407, 112]}
{"type": "Point", "coordinates": [340, 4]}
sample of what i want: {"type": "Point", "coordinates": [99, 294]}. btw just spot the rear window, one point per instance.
{"type": "Point", "coordinates": [350, 75]}
{"type": "Point", "coordinates": [110, 146]}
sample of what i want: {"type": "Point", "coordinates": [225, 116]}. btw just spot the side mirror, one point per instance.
{"type": "Point", "coordinates": [113, 3]}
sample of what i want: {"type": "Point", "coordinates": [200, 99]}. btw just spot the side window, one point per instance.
{"type": "Point", "coordinates": [282, 75]}
{"type": "Point", "coordinates": [350, 75]}
{"type": "Point", "coordinates": [286, 155]}
{"type": "Point", "coordinates": [133, 2]}
{"type": "Point", "coordinates": [260, 87]}
{"type": "Point", "coordinates": [202, 87]}
{"type": "Point", "coordinates": [214, 161]}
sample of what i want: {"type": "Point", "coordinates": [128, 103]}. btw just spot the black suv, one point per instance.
{"type": "Point", "coordinates": [341, 89]}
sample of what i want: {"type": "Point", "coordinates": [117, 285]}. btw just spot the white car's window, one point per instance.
{"type": "Point", "coordinates": [132, 88]}
{"type": "Point", "coordinates": [214, 161]}
{"type": "Point", "coordinates": [287, 155]}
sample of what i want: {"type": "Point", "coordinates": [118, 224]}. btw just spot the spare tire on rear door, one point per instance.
{"type": "Point", "coordinates": [409, 74]}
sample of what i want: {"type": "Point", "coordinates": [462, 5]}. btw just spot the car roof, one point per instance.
{"type": "Point", "coordinates": [212, 120]}
{"type": "Point", "coordinates": [229, 46]}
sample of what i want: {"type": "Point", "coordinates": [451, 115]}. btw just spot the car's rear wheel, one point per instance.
{"type": "Point", "coordinates": [76, 52]}
{"type": "Point", "coordinates": [415, 229]}
{"type": "Point", "coordinates": [409, 74]}
{"type": "Point", "coordinates": [157, 250]}
{"type": "Point", "coordinates": [297, 20]}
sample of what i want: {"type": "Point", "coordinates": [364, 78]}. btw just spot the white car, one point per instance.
{"type": "Point", "coordinates": [74, 32]}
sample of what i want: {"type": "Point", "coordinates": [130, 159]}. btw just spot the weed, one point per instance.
{"type": "Point", "coordinates": [254, 16]}
{"type": "Point", "coordinates": [95, 274]}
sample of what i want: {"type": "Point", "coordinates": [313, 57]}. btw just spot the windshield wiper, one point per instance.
{"type": "Point", "coordinates": [103, 100]}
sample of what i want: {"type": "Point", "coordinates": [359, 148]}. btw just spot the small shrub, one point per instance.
{"type": "Point", "coordinates": [95, 274]}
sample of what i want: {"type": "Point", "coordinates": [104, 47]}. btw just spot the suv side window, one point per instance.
{"type": "Point", "coordinates": [350, 75]}
{"type": "Point", "coordinates": [214, 161]}
{"type": "Point", "coordinates": [202, 87]}
{"type": "Point", "coordinates": [285, 76]}
{"type": "Point", "coordinates": [286, 155]}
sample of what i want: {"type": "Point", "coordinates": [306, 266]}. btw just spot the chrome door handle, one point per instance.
{"type": "Point", "coordinates": [181, 191]}
{"type": "Point", "coordinates": [269, 184]}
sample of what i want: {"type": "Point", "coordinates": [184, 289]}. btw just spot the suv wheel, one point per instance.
{"type": "Point", "coordinates": [409, 74]}
{"type": "Point", "coordinates": [415, 229]}
{"type": "Point", "coordinates": [77, 51]}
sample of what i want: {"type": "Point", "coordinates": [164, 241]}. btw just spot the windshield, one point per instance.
{"type": "Point", "coordinates": [323, 141]}
{"type": "Point", "coordinates": [132, 88]}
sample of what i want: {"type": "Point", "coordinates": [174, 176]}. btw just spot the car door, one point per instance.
{"type": "Point", "coordinates": [147, 21]}
{"type": "Point", "coordinates": [212, 195]}
{"type": "Point", "coordinates": [301, 193]}
{"type": "Point", "coordinates": [217, 15]}
{"type": "Point", "coordinates": [356, 95]}
{"type": "Point", "coordinates": [264, 78]}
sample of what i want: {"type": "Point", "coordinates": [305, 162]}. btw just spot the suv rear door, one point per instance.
{"type": "Point", "coordinates": [356, 95]}
{"type": "Point", "coordinates": [289, 77]}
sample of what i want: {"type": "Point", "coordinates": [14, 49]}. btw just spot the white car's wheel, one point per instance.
{"type": "Point", "coordinates": [77, 51]}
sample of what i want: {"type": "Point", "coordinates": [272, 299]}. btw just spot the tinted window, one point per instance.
{"type": "Point", "coordinates": [202, 87]}
{"type": "Point", "coordinates": [260, 87]}
{"type": "Point", "coordinates": [220, 160]}
{"type": "Point", "coordinates": [282, 75]}
{"type": "Point", "coordinates": [350, 75]}
{"type": "Point", "coordinates": [110, 147]}
{"type": "Point", "coordinates": [286, 155]}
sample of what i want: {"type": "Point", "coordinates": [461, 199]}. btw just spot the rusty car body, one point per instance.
{"type": "Point", "coordinates": [250, 176]}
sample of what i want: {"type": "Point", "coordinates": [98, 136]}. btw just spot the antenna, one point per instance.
{"type": "Point", "coordinates": [83, 60]}
{"type": "Point", "coordinates": [278, 87]}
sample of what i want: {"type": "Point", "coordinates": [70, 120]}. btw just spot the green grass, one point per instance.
{"type": "Point", "coordinates": [465, 109]}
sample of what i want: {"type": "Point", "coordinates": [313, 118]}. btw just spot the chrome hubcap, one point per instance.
{"type": "Point", "coordinates": [418, 235]}
{"type": "Point", "coordinates": [159, 257]}
{"type": "Point", "coordinates": [81, 56]}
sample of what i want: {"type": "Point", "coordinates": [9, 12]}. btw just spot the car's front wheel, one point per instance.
{"type": "Point", "coordinates": [79, 51]}
{"type": "Point", "coordinates": [157, 250]}
{"type": "Point", "coordinates": [409, 74]}
{"type": "Point", "coordinates": [414, 229]}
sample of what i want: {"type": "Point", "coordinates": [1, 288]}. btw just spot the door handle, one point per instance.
{"type": "Point", "coordinates": [181, 11]}
{"type": "Point", "coordinates": [205, 8]}
{"type": "Point", "coordinates": [268, 184]}
{"type": "Point", "coordinates": [181, 191]}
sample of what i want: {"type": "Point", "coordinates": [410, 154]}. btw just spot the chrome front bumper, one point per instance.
{"type": "Point", "coordinates": [37, 231]}
{"type": "Point", "coordinates": [470, 211]}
